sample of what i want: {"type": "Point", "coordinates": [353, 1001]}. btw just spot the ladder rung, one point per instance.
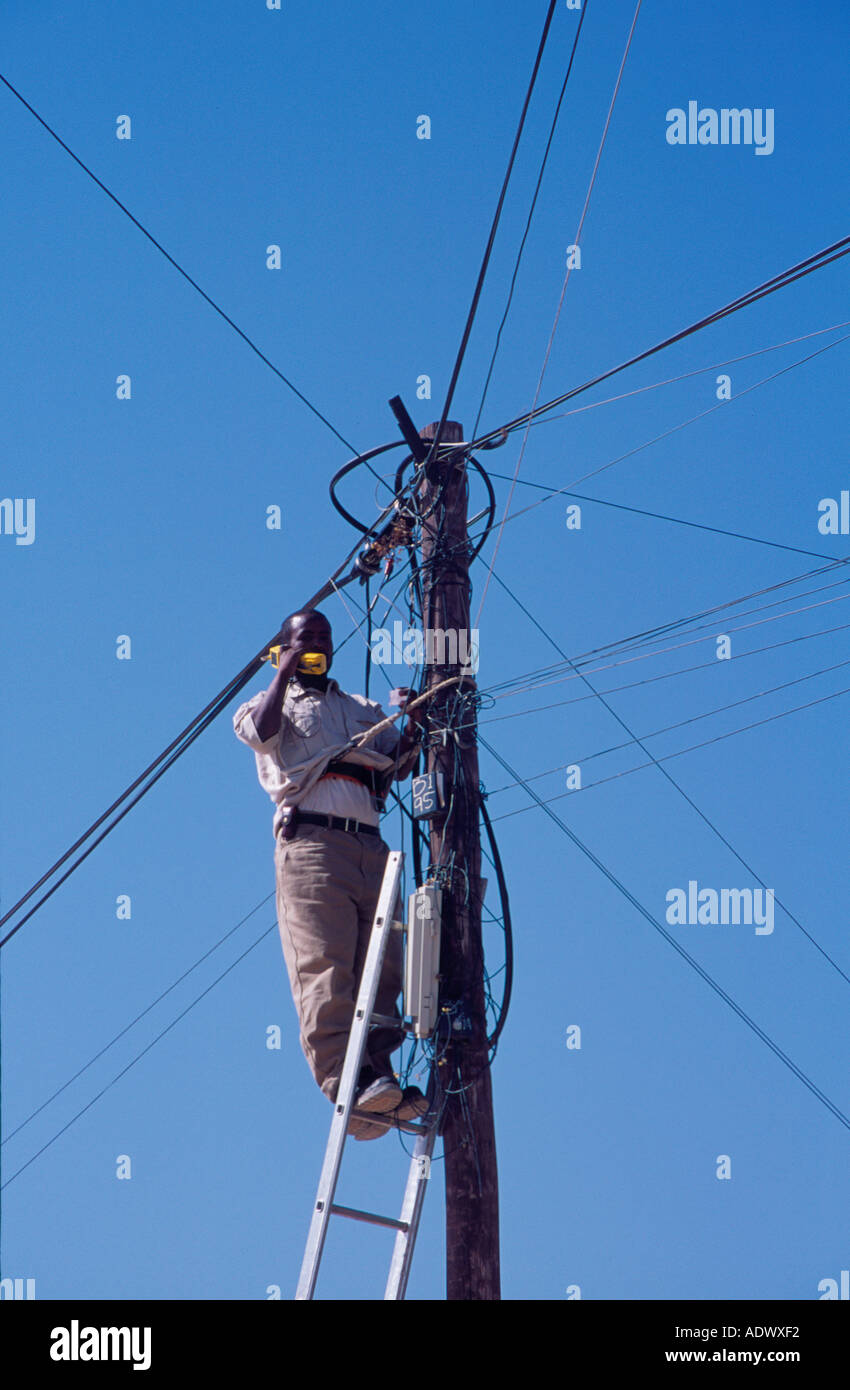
{"type": "Point", "coordinates": [384, 1021]}
{"type": "Point", "coordinates": [409, 1127]}
{"type": "Point", "coordinates": [378, 1117]}
{"type": "Point", "coordinates": [375, 1220]}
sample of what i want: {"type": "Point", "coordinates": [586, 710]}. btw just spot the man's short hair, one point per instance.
{"type": "Point", "coordinates": [286, 625]}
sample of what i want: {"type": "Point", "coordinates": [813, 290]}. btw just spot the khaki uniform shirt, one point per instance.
{"type": "Point", "coordinates": [315, 728]}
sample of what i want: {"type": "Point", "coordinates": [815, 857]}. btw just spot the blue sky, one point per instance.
{"type": "Point", "coordinates": [298, 128]}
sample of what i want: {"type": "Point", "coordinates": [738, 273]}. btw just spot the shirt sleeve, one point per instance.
{"type": "Point", "coordinates": [245, 728]}
{"type": "Point", "coordinates": [387, 740]}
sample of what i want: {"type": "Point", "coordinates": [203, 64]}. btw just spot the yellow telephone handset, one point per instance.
{"type": "Point", "coordinates": [312, 663]}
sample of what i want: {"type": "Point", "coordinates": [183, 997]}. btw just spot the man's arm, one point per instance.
{"type": "Point", "coordinates": [267, 716]}
{"type": "Point", "coordinates": [410, 739]}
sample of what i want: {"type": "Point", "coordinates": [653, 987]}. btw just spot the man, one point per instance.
{"type": "Point", "coordinates": [329, 857]}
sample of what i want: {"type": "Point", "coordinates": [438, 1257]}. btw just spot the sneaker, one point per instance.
{"type": "Point", "coordinates": [384, 1094]}
{"type": "Point", "coordinates": [413, 1104]}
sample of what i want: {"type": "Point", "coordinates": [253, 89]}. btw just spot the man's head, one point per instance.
{"type": "Point", "coordinates": [308, 630]}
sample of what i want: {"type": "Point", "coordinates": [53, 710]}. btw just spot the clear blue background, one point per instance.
{"type": "Point", "coordinates": [298, 127]}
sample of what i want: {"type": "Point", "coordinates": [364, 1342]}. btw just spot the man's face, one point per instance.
{"type": "Point", "coordinates": [312, 635]}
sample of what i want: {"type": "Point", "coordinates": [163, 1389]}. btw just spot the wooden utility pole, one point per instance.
{"type": "Point", "coordinates": [472, 1190]}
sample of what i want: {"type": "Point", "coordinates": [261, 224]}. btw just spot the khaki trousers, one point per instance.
{"type": "Point", "coordinates": [328, 883]}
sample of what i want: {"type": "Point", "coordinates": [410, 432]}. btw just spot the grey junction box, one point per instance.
{"type": "Point", "coordinates": [422, 959]}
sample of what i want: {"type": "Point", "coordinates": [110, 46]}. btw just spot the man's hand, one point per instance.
{"type": "Point", "coordinates": [401, 696]}
{"type": "Point", "coordinates": [289, 658]}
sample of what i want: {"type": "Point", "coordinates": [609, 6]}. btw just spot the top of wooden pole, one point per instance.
{"type": "Point", "coordinates": [452, 432]}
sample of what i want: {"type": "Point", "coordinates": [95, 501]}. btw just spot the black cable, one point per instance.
{"type": "Point", "coordinates": [506, 918]}
{"type": "Point", "coordinates": [356, 629]}
{"type": "Point", "coordinates": [444, 874]}
{"type": "Point", "coordinates": [196, 732]}
{"type": "Point", "coordinates": [140, 1055]}
{"type": "Point", "coordinates": [179, 745]}
{"type": "Point", "coordinates": [139, 1016]}
{"type": "Point", "coordinates": [475, 550]}
{"type": "Point", "coordinates": [786, 277]}
{"type": "Point", "coordinates": [667, 675]}
{"type": "Point", "coordinates": [674, 429]}
{"type": "Point", "coordinates": [255, 664]}
{"type": "Point", "coordinates": [181, 742]}
{"type": "Point", "coordinates": [552, 674]}
{"type": "Point", "coordinates": [554, 328]}
{"type": "Point", "coordinates": [399, 488]}
{"type": "Point", "coordinates": [648, 636]}
{"type": "Point", "coordinates": [696, 371]}
{"type": "Point", "coordinates": [368, 642]}
{"type": "Point", "coordinates": [778, 282]}
{"type": "Point", "coordinates": [186, 276]}
{"type": "Point", "coordinates": [530, 216]}
{"type": "Point", "coordinates": [671, 940]}
{"type": "Point", "coordinates": [647, 680]}
{"type": "Point", "coordinates": [680, 724]}
{"type": "Point", "coordinates": [555, 674]}
{"type": "Point", "coordinates": [659, 516]}
{"type": "Point", "coordinates": [692, 748]}
{"type": "Point", "coordinates": [491, 239]}
{"type": "Point", "coordinates": [491, 498]}
{"type": "Point", "coordinates": [348, 468]}
{"type": "Point", "coordinates": [399, 481]}
{"type": "Point", "coordinates": [165, 992]}
{"type": "Point", "coordinates": [657, 762]}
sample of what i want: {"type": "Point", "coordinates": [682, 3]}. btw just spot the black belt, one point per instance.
{"type": "Point", "coordinates": [369, 776]}
{"type": "Point", "coordinates": [355, 827]}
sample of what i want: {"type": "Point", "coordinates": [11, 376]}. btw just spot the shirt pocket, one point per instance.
{"type": "Point", "coordinates": [305, 721]}
{"type": "Point", "coordinates": [300, 734]}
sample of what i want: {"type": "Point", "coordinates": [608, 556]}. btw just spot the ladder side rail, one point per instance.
{"type": "Point", "coordinates": [381, 928]}
{"type": "Point", "coordinates": [418, 1177]}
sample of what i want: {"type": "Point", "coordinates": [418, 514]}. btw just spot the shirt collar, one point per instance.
{"type": "Point", "coordinates": [298, 689]}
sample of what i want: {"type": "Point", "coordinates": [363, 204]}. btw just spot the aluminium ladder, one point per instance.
{"type": "Point", "coordinates": [406, 1225]}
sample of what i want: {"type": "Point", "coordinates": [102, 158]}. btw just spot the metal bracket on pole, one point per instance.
{"type": "Point", "coordinates": [414, 442]}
